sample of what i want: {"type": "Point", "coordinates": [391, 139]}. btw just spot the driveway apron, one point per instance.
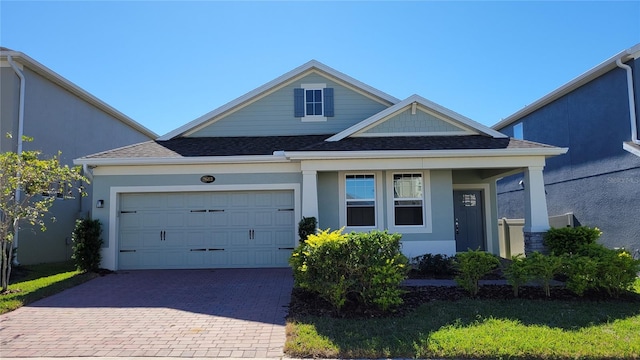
{"type": "Point", "coordinates": [162, 313]}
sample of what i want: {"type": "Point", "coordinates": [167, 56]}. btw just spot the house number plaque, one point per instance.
{"type": "Point", "coordinates": [207, 179]}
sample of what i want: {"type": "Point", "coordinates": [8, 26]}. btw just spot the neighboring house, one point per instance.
{"type": "Point", "coordinates": [59, 116]}
{"type": "Point", "coordinates": [596, 116]}
{"type": "Point", "coordinates": [229, 188]}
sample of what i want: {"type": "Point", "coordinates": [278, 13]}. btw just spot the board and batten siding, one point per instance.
{"type": "Point", "coordinates": [421, 122]}
{"type": "Point", "coordinates": [273, 114]}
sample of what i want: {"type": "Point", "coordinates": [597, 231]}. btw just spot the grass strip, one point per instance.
{"type": "Point", "coordinates": [480, 329]}
{"type": "Point", "coordinates": [34, 282]}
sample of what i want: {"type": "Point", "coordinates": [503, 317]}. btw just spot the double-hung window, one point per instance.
{"type": "Point", "coordinates": [360, 198]}
{"type": "Point", "coordinates": [408, 199]}
{"type": "Point", "coordinates": [313, 102]}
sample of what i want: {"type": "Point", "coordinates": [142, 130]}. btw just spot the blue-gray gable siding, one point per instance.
{"type": "Point", "coordinates": [421, 122]}
{"type": "Point", "coordinates": [596, 179]}
{"type": "Point", "coordinates": [274, 113]}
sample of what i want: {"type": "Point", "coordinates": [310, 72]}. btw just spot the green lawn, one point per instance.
{"type": "Point", "coordinates": [34, 282]}
{"type": "Point", "coordinates": [483, 329]}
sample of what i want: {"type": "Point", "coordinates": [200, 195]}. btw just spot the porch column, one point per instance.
{"type": "Point", "coordinates": [536, 217]}
{"type": "Point", "coordinates": [310, 193]}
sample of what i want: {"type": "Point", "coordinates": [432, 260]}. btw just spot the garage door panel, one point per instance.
{"type": "Point", "coordinates": [263, 257]}
{"type": "Point", "coordinates": [150, 239]}
{"type": "Point", "coordinates": [220, 238]}
{"type": "Point", "coordinates": [263, 218]}
{"type": "Point", "coordinates": [284, 238]}
{"type": "Point", "coordinates": [176, 219]}
{"type": "Point", "coordinates": [154, 220]}
{"type": "Point", "coordinates": [263, 238]}
{"type": "Point", "coordinates": [206, 230]}
{"type": "Point", "coordinates": [239, 238]}
{"type": "Point", "coordinates": [196, 238]}
{"type": "Point", "coordinates": [281, 257]}
{"type": "Point", "coordinates": [284, 218]}
{"type": "Point", "coordinates": [263, 200]}
{"type": "Point", "coordinates": [238, 200]}
{"type": "Point", "coordinates": [240, 258]}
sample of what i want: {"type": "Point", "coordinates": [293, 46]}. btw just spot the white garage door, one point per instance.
{"type": "Point", "coordinates": [206, 230]}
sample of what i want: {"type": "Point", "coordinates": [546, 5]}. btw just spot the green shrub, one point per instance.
{"type": "Point", "coordinates": [517, 273]}
{"type": "Point", "coordinates": [595, 267]}
{"type": "Point", "coordinates": [87, 244]}
{"type": "Point", "coordinates": [363, 268]}
{"type": "Point", "coordinates": [543, 268]}
{"type": "Point", "coordinates": [472, 265]}
{"type": "Point", "coordinates": [569, 240]}
{"type": "Point", "coordinates": [437, 265]}
{"type": "Point", "coordinates": [306, 227]}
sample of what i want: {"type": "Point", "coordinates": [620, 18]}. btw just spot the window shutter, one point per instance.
{"type": "Point", "coordinates": [328, 102]}
{"type": "Point", "coordinates": [298, 102]}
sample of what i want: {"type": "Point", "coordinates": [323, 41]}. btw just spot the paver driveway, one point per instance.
{"type": "Point", "coordinates": [177, 313]}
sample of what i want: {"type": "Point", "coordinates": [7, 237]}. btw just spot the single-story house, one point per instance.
{"type": "Point", "coordinates": [229, 188]}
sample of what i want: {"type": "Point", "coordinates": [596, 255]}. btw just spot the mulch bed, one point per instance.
{"type": "Point", "coordinates": [304, 303]}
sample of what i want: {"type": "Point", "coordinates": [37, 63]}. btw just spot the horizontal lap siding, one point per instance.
{"type": "Point", "coordinates": [274, 114]}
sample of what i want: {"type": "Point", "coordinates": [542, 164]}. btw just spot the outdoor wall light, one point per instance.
{"type": "Point", "coordinates": [100, 203]}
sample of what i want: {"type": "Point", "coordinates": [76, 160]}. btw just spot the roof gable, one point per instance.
{"type": "Point", "coordinates": [295, 75]}
{"type": "Point", "coordinates": [274, 114]}
{"type": "Point", "coordinates": [430, 119]}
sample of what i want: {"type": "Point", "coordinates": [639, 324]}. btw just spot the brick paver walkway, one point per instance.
{"type": "Point", "coordinates": [169, 313]}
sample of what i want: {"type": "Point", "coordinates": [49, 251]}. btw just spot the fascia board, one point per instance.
{"type": "Point", "coordinates": [273, 84]}
{"type": "Point", "coordinates": [180, 161]}
{"type": "Point", "coordinates": [301, 155]}
{"type": "Point", "coordinates": [76, 90]}
{"type": "Point", "coordinates": [424, 102]}
{"type": "Point", "coordinates": [586, 77]}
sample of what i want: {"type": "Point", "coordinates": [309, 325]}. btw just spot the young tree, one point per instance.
{"type": "Point", "coordinates": [29, 184]}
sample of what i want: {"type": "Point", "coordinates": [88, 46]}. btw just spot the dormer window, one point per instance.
{"type": "Point", "coordinates": [313, 102]}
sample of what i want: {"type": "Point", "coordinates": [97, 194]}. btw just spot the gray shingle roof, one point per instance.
{"type": "Point", "coordinates": [266, 145]}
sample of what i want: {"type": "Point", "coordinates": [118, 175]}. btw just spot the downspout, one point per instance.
{"type": "Point", "coordinates": [20, 133]}
{"type": "Point", "coordinates": [632, 101]}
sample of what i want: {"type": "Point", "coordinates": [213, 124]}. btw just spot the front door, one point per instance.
{"type": "Point", "coordinates": [468, 213]}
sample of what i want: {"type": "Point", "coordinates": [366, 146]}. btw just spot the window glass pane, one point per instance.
{"type": "Point", "coordinates": [309, 95]}
{"type": "Point", "coordinates": [309, 109]}
{"type": "Point", "coordinates": [408, 215]}
{"type": "Point", "coordinates": [360, 187]}
{"type": "Point", "coordinates": [407, 186]}
{"type": "Point", "coordinates": [361, 216]}
{"type": "Point", "coordinates": [318, 110]}
{"type": "Point", "coordinates": [469, 200]}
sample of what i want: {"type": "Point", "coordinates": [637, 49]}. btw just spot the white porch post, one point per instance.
{"type": "Point", "coordinates": [310, 193]}
{"type": "Point", "coordinates": [536, 218]}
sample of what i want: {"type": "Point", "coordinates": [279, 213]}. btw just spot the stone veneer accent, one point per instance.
{"type": "Point", "coordinates": [534, 241]}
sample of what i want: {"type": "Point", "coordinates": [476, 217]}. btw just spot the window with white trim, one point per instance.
{"type": "Point", "coordinates": [408, 199]}
{"type": "Point", "coordinates": [360, 200]}
{"type": "Point", "coordinates": [313, 102]}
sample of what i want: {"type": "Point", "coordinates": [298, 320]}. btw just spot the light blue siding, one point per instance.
{"type": "Point", "coordinates": [274, 114]}
{"type": "Point", "coordinates": [421, 122]}
{"type": "Point", "coordinates": [328, 200]}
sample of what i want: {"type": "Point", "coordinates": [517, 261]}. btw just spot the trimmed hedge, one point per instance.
{"type": "Point", "coordinates": [364, 269]}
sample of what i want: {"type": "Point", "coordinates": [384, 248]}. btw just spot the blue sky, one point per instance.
{"type": "Point", "coordinates": [166, 63]}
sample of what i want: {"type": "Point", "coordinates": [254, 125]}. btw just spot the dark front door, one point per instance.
{"type": "Point", "coordinates": [469, 220]}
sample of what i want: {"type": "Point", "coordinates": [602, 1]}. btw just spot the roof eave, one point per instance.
{"type": "Point", "coordinates": [586, 77]}
{"type": "Point", "coordinates": [181, 160]}
{"type": "Point", "coordinates": [42, 70]}
{"type": "Point", "coordinates": [383, 154]}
